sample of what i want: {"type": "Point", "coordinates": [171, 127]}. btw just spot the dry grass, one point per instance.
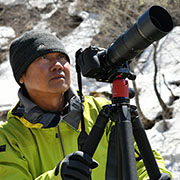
{"type": "Point", "coordinates": [120, 15]}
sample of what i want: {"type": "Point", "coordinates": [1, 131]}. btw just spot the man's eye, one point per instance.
{"type": "Point", "coordinates": [61, 57]}
{"type": "Point", "coordinates": [45, 58]}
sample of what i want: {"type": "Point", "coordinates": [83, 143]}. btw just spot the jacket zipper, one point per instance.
{"type": "Point", "coordinates": [60, 138]}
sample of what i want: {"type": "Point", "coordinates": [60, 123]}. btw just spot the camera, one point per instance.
{"type": "Point", "coordinates": [105, 64]}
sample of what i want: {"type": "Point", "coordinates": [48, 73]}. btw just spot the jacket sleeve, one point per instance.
{"type": "Point", "coordinates": [15, 171]}
{"type": "Point", "coordinates": [14, 167]}
{"type": "Point", "coordinates": [49, 175]}
{"type": "Point", "coordinates": [141, 170]}
{"type": "Point", "coordinates": [13, 164]}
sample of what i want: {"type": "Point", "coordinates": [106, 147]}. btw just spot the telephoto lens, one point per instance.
{"type": "Point", "coordinates": [154, 24]}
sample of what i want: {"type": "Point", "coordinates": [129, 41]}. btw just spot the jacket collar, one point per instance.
{"type": "Point", "coordinates": [30, 114]}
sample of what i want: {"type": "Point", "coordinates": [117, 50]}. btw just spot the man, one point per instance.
{"type": "Point", "coordinates": [40, 139]}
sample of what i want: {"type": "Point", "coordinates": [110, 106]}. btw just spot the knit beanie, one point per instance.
{"type": "Point", "coordinates": [28, 47]}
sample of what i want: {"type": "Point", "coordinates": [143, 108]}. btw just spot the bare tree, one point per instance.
{"type": "Point", "coordinates": [172, 97]}
{"type": "Point", "coordinates": [146, 122]}
{"type": "Point", "coordinates": [166, 111]}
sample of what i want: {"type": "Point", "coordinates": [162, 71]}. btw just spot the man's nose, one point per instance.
{"type": "Point", "coordinates": [56, 66]}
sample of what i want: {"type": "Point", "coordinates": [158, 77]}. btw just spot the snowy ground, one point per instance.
{"type": "Point", "coordinates": [167, 143]}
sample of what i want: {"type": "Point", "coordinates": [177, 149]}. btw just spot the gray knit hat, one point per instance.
{"type": "Point", "coordinates": [28, 47]}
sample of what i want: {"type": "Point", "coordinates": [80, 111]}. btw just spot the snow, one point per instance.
{"type": "Point", "coordinates": [8, 85]}
{"type": "Point", "coordinates": [5, 34]}
{"type": "Point", "coordinates": [30, 3]}
{"type": "Point", "coordinates": [166, 142]}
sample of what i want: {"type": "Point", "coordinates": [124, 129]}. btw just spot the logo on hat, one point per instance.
{"type": "Point", "coordinates": [41, 46]}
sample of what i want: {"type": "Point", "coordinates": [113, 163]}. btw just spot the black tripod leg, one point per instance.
{"type": "Point", "coordinates": [124, 132]}
{"type": "Point", "coordinates": [118, 154]}
{"type": "Point", "coordinates": [97, 131]}
{"type": "Point", "coordinates": [145, 149]}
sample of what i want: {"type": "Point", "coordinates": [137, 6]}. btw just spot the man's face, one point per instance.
{"type": "Point", "coordinates": [48, 74]}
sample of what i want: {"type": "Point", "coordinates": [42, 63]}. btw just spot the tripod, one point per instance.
{"type": "Point", "coordinates": [125, 127]}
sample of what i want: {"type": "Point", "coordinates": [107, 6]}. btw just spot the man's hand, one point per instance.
{"type": "Point", "coordinates": [78, 166]}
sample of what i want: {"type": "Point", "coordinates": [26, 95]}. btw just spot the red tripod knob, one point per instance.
{"type": "Point", "coordinates": [120, 87]}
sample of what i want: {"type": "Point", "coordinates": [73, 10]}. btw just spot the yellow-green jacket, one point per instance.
{"type": "Point", "coordinates": [30, 152]}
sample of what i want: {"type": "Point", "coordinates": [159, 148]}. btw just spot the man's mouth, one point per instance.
{"type": "Point", "coordinates": [59, 76]}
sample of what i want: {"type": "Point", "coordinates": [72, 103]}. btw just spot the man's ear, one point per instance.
{"type": "Point", "coordinates": [22, 80]}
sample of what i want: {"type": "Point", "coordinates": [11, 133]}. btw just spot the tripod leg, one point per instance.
{"type": "Point", "coordinates": [124, 132]}
{"type": "Point", "coordinates": [145, 148]}
{"type": "Point", "coordinates": [118, 154]}
{"type": "Point", "coordinates": [97, 131]}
